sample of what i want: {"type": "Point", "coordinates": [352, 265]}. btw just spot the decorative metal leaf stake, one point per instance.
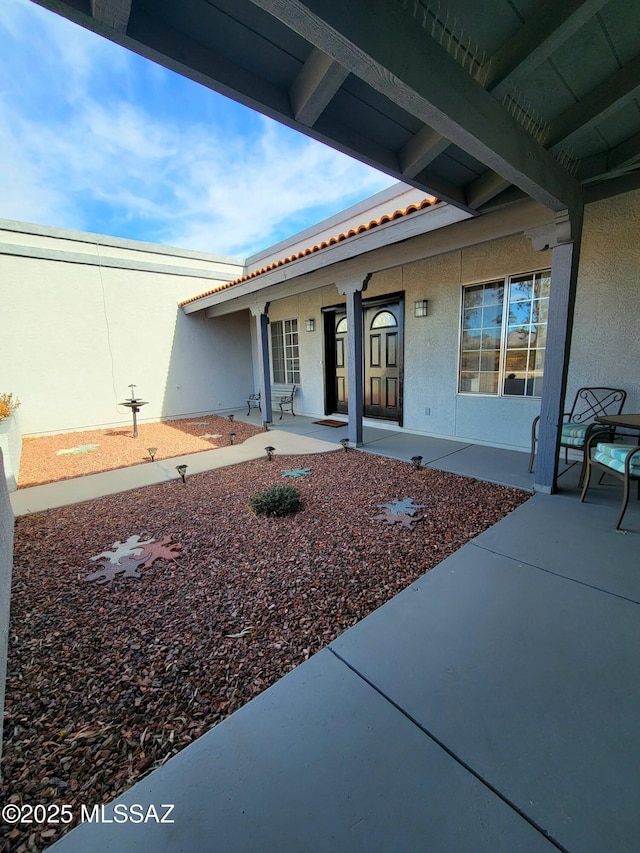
{"type": "Point", "coordinates": [152, 452]}
{"type": "Point", "coordinates": [416, 461]}
{"type": "Point", "coordinates": [182, 470]}
{"type": "Point", "coordinates": [270, 451]}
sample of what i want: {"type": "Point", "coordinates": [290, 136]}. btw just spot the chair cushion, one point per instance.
{"type": "Point", "coordinates": [573, 435]}
{"type": "Point", "coordinates": [615, 455]}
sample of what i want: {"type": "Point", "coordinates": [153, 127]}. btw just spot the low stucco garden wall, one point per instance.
{"type": "Point", "coordinates": [6, 565]}
{"type": "Point", "coordinates": [11, 447]}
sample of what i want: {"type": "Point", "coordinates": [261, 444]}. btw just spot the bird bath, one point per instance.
{"type": "Point", "coordinates": [134, 404]}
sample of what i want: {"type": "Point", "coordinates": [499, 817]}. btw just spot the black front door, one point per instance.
{"type": "Point", "coordinates": [382, 353]}
{"type": "Point", "coordinates": [383, 361]}
{"type": "Point", "coordinates": [340, 348]}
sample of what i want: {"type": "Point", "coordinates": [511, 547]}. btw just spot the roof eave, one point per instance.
{"type": "Point", "coordinates": [431, 218]}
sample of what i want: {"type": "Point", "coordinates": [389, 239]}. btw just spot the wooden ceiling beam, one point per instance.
{"type": "Point", "coordinates": [537, 39]}
{"type": "Point", "coordinates": [484, 188]}
{"type": "Point", "coordinates": [626, 154]}
{"type": "Point", "coordinates": [112, 13]}
{"type": "Point", "coordinates": [421, 150]}
{"type": "Point", "coordinates": [384, 47]}
{"type": "Point", "coordinates": [314, 87]}
{"type": "Point", "coordinates": [620, 160]}
{"type": "Point", "coordinates": [597, 104]}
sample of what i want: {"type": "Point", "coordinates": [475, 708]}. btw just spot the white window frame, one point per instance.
{"type": "Point", "coordinates": [508, 356]}
{"type": "Point", "coordinates": [285, 351]}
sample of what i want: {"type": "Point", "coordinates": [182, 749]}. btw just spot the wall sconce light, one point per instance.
{"type": "Point", "coordinates": [421, 308]}
{"type": "Point", "coordinates": [152, 452]}
{"type": "Point", "coordinates": [310, 325]}
{"type": "Point", "coordinates": [270, 451]}
{"type": "Point", "coordinates": [345, 444]}
{"type": "Point", "coordinates": [416, 461]}
{"type": "Point", "coordinates": [182, 470]}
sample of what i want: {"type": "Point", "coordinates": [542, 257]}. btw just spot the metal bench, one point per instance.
{"type": "Point", "coordinates": [287, 402]}
{"type": "Point", "coordinates": [253, 402]}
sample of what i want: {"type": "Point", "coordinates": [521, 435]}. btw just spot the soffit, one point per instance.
{"type": "Point", "coordinates": [461, 99]}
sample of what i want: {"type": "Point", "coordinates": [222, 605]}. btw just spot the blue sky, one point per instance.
{"type": "Point", "coordinates": [95, 138]}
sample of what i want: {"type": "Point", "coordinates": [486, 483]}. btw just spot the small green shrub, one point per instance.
{"type": "Point", "coordinates": [7, 405]}
{"type": "Point", "coordinates": [276, 501]}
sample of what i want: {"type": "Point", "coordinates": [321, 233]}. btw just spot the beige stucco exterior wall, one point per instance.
{"type": "Point", "coordinates": [6, 568]}
{"type": "Point", "coordinates": [606, 336]}
{"type": "Point", "coordinates": [76, 334]}
{"type": "Point", "coordinates": [606, 339]}
{"type": "Point", "coordinates": [431, 343]}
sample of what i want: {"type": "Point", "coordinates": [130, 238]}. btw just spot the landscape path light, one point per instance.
{"type": "Point", "coordinates": [416, 461]}
{"type": "Point", "coordinates": [182, 470]}
{"type": "Point", "coordinates": [152, 452]}
{"type": "Point", "coordinates": [270, 451]}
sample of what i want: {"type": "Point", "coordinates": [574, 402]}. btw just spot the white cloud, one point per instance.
{"type": "Point", "coordinates": [79, 154]}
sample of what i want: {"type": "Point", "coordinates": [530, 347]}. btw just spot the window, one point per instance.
{"type": "Point", "coordinates": [383, 319]}
{"type": "Point", "coordinates": [285, 352]}
{"type": "Point", "coordinates": [503, 337]}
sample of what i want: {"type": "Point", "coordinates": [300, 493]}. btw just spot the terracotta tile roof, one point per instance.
{"type": "Point", "coordinates": [352, 232]}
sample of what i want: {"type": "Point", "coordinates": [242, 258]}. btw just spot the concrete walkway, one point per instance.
{"type": "Point", "coordinates": [77, 489]}
{"type": "Point", "coordinates": [491, 706]}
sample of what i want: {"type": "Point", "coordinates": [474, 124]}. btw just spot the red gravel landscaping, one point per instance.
{"type": "Point", "coordinates": [42, 462]}
{"type": "Point", "coordinates": [107, 682]}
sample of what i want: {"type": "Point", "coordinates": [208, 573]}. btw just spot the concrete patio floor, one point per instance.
{"type": "Point", "coordinates": [492, 705]}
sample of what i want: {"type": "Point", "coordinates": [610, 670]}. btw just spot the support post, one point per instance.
{"type": "Point", "coordinates": [563, 236]}
{"type": "Point", "coordinates": [352, 289]}
{"type": "Point", "coordinates": [261, 315]}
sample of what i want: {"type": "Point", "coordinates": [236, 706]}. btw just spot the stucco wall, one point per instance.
{"type": "Point", "coordinates": [6, 565]}
{"type": "Point", "coordinates": [76, 334]}
{"type": "Point", "coordinates": [431, 343]}
{"type": "Point", "coordinates": [11, 447]}
{"type": "Point", "coordinates": [310, 394]}
{"type": "Point", "coordinates": [606, 340]}
{"type": "Point", "coordinates": [606, 343]}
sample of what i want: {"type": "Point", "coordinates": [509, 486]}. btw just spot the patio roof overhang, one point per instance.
{"type": "Point", "coordinates": [466, 101]}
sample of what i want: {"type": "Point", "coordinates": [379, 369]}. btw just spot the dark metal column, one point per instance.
{"type": "Point", "coordinates": [352, 289]}
{"type": "Point", "coordinates": [264, 373]}
{"type": "Point", "coordinates": [563, 237]}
